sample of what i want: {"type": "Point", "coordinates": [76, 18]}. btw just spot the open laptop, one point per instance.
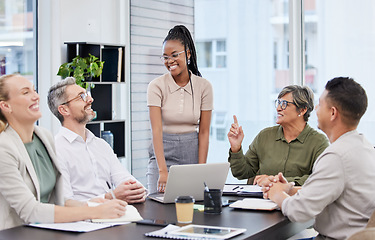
{"type": "Point", "coordinates": [189, 179]}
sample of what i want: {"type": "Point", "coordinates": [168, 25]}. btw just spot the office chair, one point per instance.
{"type": "Point", "coordinates": [367, 233]}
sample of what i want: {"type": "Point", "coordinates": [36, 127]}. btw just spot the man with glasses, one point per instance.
{"type": "Point", "coordinates": [291, 147]}
{"type": "Point", "coordinates": [88, 164]}
{"type": "Point", "coordinates": [339, 193]}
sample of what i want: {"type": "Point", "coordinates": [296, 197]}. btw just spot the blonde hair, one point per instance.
{"type": "Point", "coordinates": [4, 96]}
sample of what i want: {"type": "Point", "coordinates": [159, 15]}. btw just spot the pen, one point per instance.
{"type": "Point", "coordinates": [205, 187]}
{"type": "Point", "coordinates": [235, 188]}
{"type": "Point", "coordinates": [111, 190]}
{"type": "Point", "coordinates": [209, 194]}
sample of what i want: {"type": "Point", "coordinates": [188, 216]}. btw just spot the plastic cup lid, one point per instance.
{"type": "Point", "coordinates": [184, 199]}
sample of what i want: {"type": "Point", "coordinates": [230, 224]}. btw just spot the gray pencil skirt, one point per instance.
{"type": "Point", "coordinates": [178, 149]}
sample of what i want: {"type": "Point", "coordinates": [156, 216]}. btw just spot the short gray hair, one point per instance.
{"type": "Point", "coordinates": [56, 96]}
{"type": "Point", "coordinates": [303, 98]}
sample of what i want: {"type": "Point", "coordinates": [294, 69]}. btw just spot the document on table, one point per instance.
{"type": "Point", "coordinates": [254, 204]}
{"type": "Point", "coordinates": [241, 187]}
{"type": "Point", "coordinates": [131, 215]}
{"type": "Point", "coordinates": [81, 226]}
{"type": "Point", "coordinates": [243, 190]}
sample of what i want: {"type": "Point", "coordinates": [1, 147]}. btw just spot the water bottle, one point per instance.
{"type": "Point", "coordinates": [108, 137]}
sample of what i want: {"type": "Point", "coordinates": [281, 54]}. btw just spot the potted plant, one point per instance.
{"type": "Point", "coordinates": [82, 69]}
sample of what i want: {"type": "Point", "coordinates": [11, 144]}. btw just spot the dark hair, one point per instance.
{"type": "Point", "coordinates": [182, 34]}
{"type": "Point", "coordinates": [303, 98]}
{"type": "Point", "coordinates": [348, 97]}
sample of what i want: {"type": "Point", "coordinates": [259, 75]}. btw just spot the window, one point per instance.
{"type": "Point", "coordinates": [275, 55]}
{"type": "Point", "coordinates": [257, 34]}
{"type": "Point", "coordinates": [17, 40]}
{"type": "Point", "coordinates": [337, 46]}
{"type": "Point", "coordinates": [250, 49]}
{"type": "Point", "coordinates": [220, 53]}
{"type": "Point", "coordinates": [204, 52]}
{"type": "Point", "coordinates": [212, 54]}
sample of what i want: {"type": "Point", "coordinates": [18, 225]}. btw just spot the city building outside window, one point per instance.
{"type": "Point", "coordinates": [258, 58]}
{"type": "Point", "coordinates": [212, 54]}
{"type": "Point", "coordinates": [17, 38]}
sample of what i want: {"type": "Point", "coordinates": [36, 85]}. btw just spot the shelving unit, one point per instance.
{"type": "Point", "coordinates": [105, 89]}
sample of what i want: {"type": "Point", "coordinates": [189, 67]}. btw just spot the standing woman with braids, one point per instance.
{"type": "Point", "coordinates": [180, 104]}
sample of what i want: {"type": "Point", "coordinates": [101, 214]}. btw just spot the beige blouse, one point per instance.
{"type": "Point", "coordinates": [180, 106]}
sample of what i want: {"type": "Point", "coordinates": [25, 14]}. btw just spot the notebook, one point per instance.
{"type": "Point", "coordinates": [189, 180]}
{"type": "Point", "coordinates": [243, 190]}
{"type": "Point", "coordinates": [255, 204]}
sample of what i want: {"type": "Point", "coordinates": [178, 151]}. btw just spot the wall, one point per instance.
{"type": "Point", "coordinates": [71, 20]}
{"type": "Point", "coordinates": [150, 21]}
{"type": "Point", "coordinates": [98, 21]}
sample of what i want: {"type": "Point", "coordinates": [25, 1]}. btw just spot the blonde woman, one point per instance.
{"type": "Point", "coordinates": [30, 180]}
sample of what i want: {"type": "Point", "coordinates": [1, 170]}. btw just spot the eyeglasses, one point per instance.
{"type": "Point", "coordinates": [83, 96]}
{"type": "Point", "coordinates": [174, 57]}
{"type": "Point", "coordinates": [282, 103]}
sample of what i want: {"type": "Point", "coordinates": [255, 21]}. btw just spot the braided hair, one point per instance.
{"type": "Point", "coordinates": [182, 34]}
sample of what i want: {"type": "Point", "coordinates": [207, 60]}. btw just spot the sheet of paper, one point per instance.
{"type": "Point", "coordinates": [199, 207]}
{"type": "Point", "coordinates": [255, 204]}
{"type": "Point", "coordinates": [131, 215]}
{"type": "Point", "coordinates": [80, 226]}
{"type": "Point", "coordinates": [241, 188]}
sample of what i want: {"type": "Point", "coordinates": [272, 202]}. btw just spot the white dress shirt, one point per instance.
{"type": "Point", "coordinates": [86, 167]}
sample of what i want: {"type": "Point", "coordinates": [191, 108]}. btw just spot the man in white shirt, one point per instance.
{"type": "Point", "coordinates": [88, 164]}
{"type": "Point", "coordinates": [339, 193]}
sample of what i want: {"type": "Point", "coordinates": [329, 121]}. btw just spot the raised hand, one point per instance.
{"type": "Point", "coordinates": [235, 135]}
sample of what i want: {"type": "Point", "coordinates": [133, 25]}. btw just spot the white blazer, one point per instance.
{"type": "Point", "coordinates": [19, 185]}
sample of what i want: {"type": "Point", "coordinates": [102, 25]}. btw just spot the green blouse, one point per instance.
{"type": "Point", "coordinates": [270, 153]}
{"type": "Point", "coordinates": [43, 167]}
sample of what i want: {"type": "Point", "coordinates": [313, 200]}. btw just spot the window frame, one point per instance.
{"type": "Point", "coordinates": [215, 53]}
{"type": "Point", "coordinates": [296, 42]}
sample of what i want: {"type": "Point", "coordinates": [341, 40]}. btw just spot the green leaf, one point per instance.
{"type": "Point", "coordinates": [82, 68]}
{"type": "Point", "coordinates": [64, 71]}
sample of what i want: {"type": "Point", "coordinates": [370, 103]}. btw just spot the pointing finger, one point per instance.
{"type": "Point", "coordinates": [235, 119]}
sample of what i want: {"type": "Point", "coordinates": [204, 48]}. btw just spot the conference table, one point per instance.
{"type": "Point", "coordinates": [259, 225]}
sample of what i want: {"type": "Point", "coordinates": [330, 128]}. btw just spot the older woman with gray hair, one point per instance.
{"type": "Point", "coordinates": [291, 147]}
